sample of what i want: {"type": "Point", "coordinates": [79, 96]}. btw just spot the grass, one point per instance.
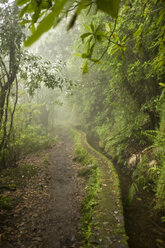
{"type": "Point", "coordinates": [45, 160]}
{"type": "Point", "coordinates": [91, 172]}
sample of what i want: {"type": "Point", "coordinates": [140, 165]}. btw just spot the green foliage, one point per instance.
{"type": "Point", "coordinates": [110, 7]}
{"type": "Point", "coordinates": [87, 171]}
{"type": "Point", "coordinates": [160, 190]}
{"type": "Point", "coordinates": [93, 186]}
{"type": "Point", "coordinates": [121, 100]}
{"type": "Point", "coordinates": [36, 72]}
{"type": "Point", "coordinates": [45, 161]}
{"type": "Point", "coordinates": [132, 192]}
{"type": "Point", "coordinates": [140, 175]}
{"type": "Point", "coordinates": [37, 12]}
{"type": "Point", "coordinates": [7, 202]}
{"type": "Point", "coordinates": [21, 74]}
{"type": "Point", "coordinates": [32, 139]}
{"type": "Point", "coordinates": [87, 207]}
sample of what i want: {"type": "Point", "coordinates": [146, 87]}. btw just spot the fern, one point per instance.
{"type": "Point", "coordinates": [132, 192]}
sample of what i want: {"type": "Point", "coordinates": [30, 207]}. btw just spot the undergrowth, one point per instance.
{"type": "Point", "coordinates": [91, 171]}
{"type": "Point", "coordinates": [12, 179]}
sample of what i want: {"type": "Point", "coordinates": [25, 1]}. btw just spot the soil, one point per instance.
{"type": "Point", "coordinates": [142, 223]}
{"type": "Point", "coordinates": [48, 213]}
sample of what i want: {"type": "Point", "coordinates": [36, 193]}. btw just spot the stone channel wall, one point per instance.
{"type": "Point", "coordinates": [107, 229]}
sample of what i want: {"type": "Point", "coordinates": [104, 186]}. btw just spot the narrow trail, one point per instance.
{"type": "Point", "coordinates": [62, 223]}
{"type": "Point", "coordinates": [47, 216]}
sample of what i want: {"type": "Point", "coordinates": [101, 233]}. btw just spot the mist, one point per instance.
{"type": "Point", "coordinates": [82, 108]}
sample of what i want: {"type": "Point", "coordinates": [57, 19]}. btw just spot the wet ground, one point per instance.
{"type": "Point", "coordinates": [62, 224]}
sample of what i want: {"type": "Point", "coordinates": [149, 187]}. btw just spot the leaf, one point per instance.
{"type": "Point", "coordinates": [29, 8]}
{"type": "Point", "coordinates": [116, 37]}
{"type": "Point", "coordinates": [100, 36]}
{"type": "Point", "coordinates": [138, 31]}
{"type": "Point", "coordinates": [162, 84]}
{"type": "Point", "coordinates": [95, 60]}
{"type": "Point", "coordinates": [72, 22]}
{"type": "Point", "coordinates": [21, 2]}
{"type": "Point", "coordinates": [82, 5]}
{"type": "Point", "coordinates": [84, 55]}
{"type": "Point", "coordinates": [99, 32]}
{"type": "Point", "coordinates": [91, 49]}
{"type": "Point", "coordinates": [25, 22]}
{"type": "Point", "coordinates": [115, 50]}
{"type": "Point", "coordinates": [47, 22]}
{"type": "Point", "coordinates": [162, 13]}
{"type": "Point", "coordinates": [36, 15]}
{"type": "Point", "coordinates": [85, 68]}
{"type": "Point", "coordinates": [83, 36]}
{"type": "Point", "coordinates": [110, 7]}
{"type": "Point", "coordinates": [92, 27]}
{"type": "Point", "coordinates": [46, 4]}
{"type": "Point", "coordinates": [107, 27]}
{"type": "Point", "coordinates": [87, 28]}
{"type": "Point", "coordinates": [124, 38]}
{"type": "Point", "coordinates": [78, 54]}
{"type": "Point", "coordinates": [33, 28]}
{"type": "Point", "coordinates": [132, 192]}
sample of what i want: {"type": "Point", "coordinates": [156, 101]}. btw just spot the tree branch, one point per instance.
{"type": "Point", "coordinates": [14, 108]}
{"type": "Point", "coordinates": [4, 66]}
{"type": "Point", "coordinates": [109, 41]}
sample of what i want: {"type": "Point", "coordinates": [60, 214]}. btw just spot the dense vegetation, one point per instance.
{"type": "Point", "coordinates": [121, 101]}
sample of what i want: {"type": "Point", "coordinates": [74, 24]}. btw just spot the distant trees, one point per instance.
{"type": "Point", "coordinates": [20, 72]}
{"type": "Point", "coordinates": [11, 38]}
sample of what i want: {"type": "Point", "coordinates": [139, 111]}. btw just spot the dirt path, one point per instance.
{"type": "Point", "coordinates": [62, 224]}
{"type": "Point", "coordinates": [47, 216]}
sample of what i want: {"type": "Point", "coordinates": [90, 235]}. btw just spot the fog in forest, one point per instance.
{"type": "Point", "coordinates": [58, 46]}
{"type": "Point", "coordinates": [82, 110]}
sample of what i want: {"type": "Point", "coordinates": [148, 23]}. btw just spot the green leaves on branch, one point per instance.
{"type": "Point", "coordinates": [47, 22]}
{"type": "Point", "coordinates": [37, 11]}
{"type": "Point", "coordinates": [37, 72]}
{"type": "Point", "coordinates": [104, 34]}
{"type": "Point", "coordinates": [111, 7]}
